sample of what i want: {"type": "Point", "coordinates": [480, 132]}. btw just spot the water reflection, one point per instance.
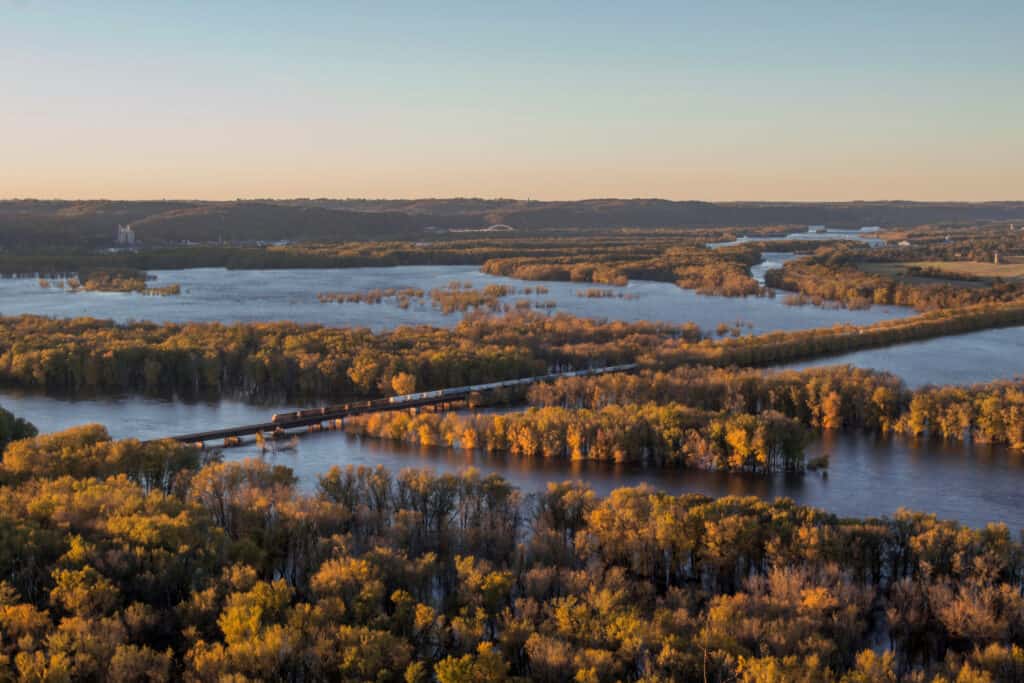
{"type": "Point", "coordinates": [961, 359]}
{"type": "Point", "coordinates": [826, 235]}
{"type": "Point", "coordinates": [868, 476]}
{"type": "Point", "coordinates": [772, 260]}
{"type": "Point", "coordinates": [219, 295]}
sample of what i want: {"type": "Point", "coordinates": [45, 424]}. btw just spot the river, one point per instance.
{"type": "Point", "coordinates": [217, 294]}
{"type": "Point", "coordinates": [974, 484]}
{"type": "Point", "coordinates": [864, 235]}
{"type": "Point", "coordinates": [961, 359]}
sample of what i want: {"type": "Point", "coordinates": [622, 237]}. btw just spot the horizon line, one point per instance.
{"type": "Point", "coordinates": [514, 199]}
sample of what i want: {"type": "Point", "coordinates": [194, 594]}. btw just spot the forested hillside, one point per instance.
{"type": "Point", "coordinates": [32, 223]}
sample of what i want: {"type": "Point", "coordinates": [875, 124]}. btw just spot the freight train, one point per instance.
{"type": "Point", "coordinates": [451, 392]}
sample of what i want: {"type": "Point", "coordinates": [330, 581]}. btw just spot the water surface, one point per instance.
{"type": "Point", "coordinates": [961, 359]}
{"type": "Point", "coordinates": [974, 484]}
{"type": "Point", "coordinates": [217, 294]}
{"type": "Point", "coordinates": [862, 235]}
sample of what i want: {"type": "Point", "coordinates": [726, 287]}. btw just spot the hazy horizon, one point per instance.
{"type": "Point", "coordinates": [685, 102]}
{"type": "Point", "coordinates": [311, 198]}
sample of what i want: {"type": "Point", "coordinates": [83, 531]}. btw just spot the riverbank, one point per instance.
{"type": "Point", "coordinates": [867, 476]}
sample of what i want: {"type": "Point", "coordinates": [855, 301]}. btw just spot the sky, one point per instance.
{"type": "Point", "coordinates": [719, 101]}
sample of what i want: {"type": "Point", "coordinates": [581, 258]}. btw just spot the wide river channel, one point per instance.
{"type": "Point", "coordinates": [975, 484]}
{"type": "Point", "coordinates": [219, 295]}
{"type": "Point", "coordinates": [867, 477]}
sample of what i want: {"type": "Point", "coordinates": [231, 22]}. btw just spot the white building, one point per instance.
{"type": "Point", "coordinates": [125, 235]}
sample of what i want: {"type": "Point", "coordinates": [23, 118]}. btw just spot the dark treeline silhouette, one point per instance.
{"type": "Point", "coordinates": [29, 222]}
{"type": "Point", "coordinates": [122, 561]}
{"type": "Point", "coordinates": [307, 255]}
{"type": "Point", "coordinates": [13, 428]}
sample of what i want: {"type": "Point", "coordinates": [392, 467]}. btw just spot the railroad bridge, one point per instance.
{"type": "Point", "coordinates": [313, 419]}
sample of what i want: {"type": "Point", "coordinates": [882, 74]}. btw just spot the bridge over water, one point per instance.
{"type": "Point", "coordinates": [315, 418]}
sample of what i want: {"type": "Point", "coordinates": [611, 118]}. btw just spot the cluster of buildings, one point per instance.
{"type": "Point", "coordinates": [125, 235]}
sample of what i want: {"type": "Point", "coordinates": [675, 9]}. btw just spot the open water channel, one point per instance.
{"type": "Point", "coordinates": [220, 295]}
{"type": "Point", "coordinates": [974, 484]}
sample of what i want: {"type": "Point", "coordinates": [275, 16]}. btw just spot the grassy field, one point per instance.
{"type": "Point", "coordinates": [901, 272]}
{"type": "Point", "coordinates": [1008, 270]}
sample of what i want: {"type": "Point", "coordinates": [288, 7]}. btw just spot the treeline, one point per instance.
{"type": "Point", "coordinates": [126, 280]}
{"type": "Point", "coordinates": [988, 413]}
{"type": "Point", "coordinates": [466, 297]}
{"type": "Point", "coordinates": [432, 251]}
{"type": "Point", "coordinates": [774, 348]}
{"type": "Point", "coordinates": [261, 360]}
{"type": "Point", "coordinates": [257, 361]}
{"type": "Point", "coordinates": [945, 243]}
{"type": "Point", "coordinates": [724, 271]}
{"type": "Point", "coordinates": [13, 428]}
{"type": "Point", "coordinates": [611, 259]}
{"type": "Point", "coordinates": [667, 434]}
{"type": "Point", "coordinates": [456, 296]}
{"type": "Point", "coordinates": [309, 362]}
{"type": "Point", "coordinates": [837, 397]}
{"type": "Point", "coordinates": [124, 561]}
{"type": "Point", "coordinates": [833, 274]}
{"type": "Point", "coordinates": [27, 222]}
{"type": "Point", "coordinates": [739, 420]}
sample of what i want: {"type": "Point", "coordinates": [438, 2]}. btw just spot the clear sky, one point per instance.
{"type": "Point", "coordinates": [548, 100]}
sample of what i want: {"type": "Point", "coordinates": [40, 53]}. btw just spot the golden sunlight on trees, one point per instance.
{"type": "Point", "coordinates": [230, 573]}
{"type": "Point", "coordinates": [403, 383]}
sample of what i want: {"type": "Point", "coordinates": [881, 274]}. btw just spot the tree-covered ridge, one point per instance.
{"type": "Point", "coordinates": [26, 222]}
{"type": "Point", "coordinates": [123, 561]}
